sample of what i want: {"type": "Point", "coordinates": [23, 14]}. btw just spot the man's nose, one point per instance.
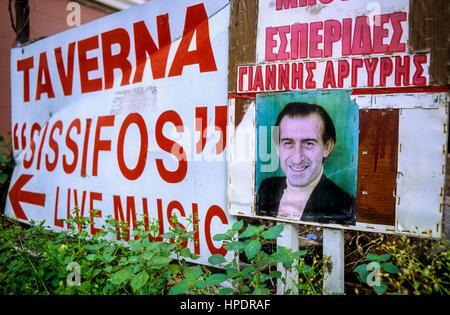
{"type": "Point", "coordinates": [299, 153]}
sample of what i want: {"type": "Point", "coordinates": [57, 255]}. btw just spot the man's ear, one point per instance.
{"type": "Point", "coordinates": [328, 148]}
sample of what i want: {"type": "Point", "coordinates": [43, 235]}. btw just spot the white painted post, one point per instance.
{"type": "Point", "coordinates": [288, 239]}
{"type": "Point", "coordinates": [333, 248]}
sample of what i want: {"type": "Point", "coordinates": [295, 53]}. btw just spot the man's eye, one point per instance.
{"type": "Point", "coordinates": [309, 144]}
{"type": "Point", "coordinates": [288, 144]}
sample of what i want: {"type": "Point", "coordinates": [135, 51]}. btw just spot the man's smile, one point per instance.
{"type": "Point", "coordinates": [298, 168]}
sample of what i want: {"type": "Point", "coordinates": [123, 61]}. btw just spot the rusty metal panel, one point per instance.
{"type": "Point", "coordinates": [377, 166]}
{"type": "Point", "coordinates": [421, 171]}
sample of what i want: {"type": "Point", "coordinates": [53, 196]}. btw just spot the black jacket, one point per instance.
{"type": "Point", "coordinates": [328, 202]}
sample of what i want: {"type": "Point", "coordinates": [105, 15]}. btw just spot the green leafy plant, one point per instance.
{"type": "Point", "coordinates": [424, 265]}
{"type": "Point", "coordinates": [148, 267]}
{"type": "Point", "coordinates": [36, 260]}
{"type": "Point", "coordinates": [252, 278]}
{"type": "Point", "coordinates": [371, 273]}
{"type": "Point", "coordinates": [261, 272]}
{"type": "Point", "coordinates": [6, 169]}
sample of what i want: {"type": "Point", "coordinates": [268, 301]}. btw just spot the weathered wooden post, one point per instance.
{"type": "Point", "coordinates": [288, 239]}
{"type": "Point", "coordinates": [333, 255]}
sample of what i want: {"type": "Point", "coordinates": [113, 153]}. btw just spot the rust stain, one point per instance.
{"type": "Point", "coordinates": [240, 108]}
{"type": "Point", "coordinates": [382, 128]}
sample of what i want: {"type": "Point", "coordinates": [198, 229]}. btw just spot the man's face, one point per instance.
{"type": "Point", "coordinates": [301, 148]}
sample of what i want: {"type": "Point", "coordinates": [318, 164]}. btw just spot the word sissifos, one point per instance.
{"type": "Point", "coordinates": [69, 145]}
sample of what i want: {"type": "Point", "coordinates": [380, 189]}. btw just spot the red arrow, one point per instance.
{"type": "Point", "coordinates": [17, 195]}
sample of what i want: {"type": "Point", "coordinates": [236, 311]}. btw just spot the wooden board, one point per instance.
{"type": "Point", "coordinates": [428, 31]}
{"type": "Point", "coordinates": [242, 37]}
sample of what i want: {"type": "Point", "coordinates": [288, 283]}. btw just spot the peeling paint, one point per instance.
{"type": "Point", "coordinates": [241, 164]}
{"type": "Point", "coordinates": [421, 160]}
{"type": "Point", "coordinates": [135, 100]}
{"type": "Point", "coordinates": [401, 100]}
{"type": "Point", "coordinates": [315, 9]}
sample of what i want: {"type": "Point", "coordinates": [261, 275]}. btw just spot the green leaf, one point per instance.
{"type": "Point", "coordinates": [200, 284]}
{"type": "Point", "coordinates": [108, 269]}
{"type": "Point", "coordinates": [252, 248]}
{"type": "Point", "coordinates": [55, 282]}
{"type": "Point", "coordinates": [168, 235]}
{"type": "Point", "coordinates": [160, 260]}
{"type": "Point", "coordinates": [188, 235]}
{"type": "Point", "coordinates": [226, 291]}
{"type": "Point", "coordinates": [3, 178]}
{"type": "Point", "coordinates": [147, 255]}
{"type": "Point", "coordinates": [133, 260]}
{"type": "Point", "coordinates": [108, 258]}
{"type": "Point", "coordinates": [220, 237]}
{"type": "Point", "coordinates": [281, 256]}
{"type": "Point", "coordinates": [216, 279]}
{"type": "Point", "coordinates": [300, 253]}
{"type": "Point", "coordinates": [384, 257]}
{"type": "Point", "coordinates": [166, 247]}
{"type": "Point", "coordinates": [391, 268]}
{"type": "Point", "coordinates": [194, 256]}
{"type": "Point", "coordinates": [135, 246]}
{"type": "Point", "coordinates": [261, 291]}
{"type": "Point", "coordinates": [238, 225]}
{"type": "Point", "coordinates": [362, 272]}
{"type": "Point", "coordinates": [275, 274]}
{"type": "Point", "coordinates": [194, 273]}
{"type": "Point", "coordinates": [121, 276]}
{"type": "Point", "coordinates": [273, 232]}
{"type": "Point", "coordinates": [96, 272]}
{"type": "Point", "coordinates": [185, 252]}
{"type": "Point", "coordinates": [137, 268]}
{"type": "Point", "coordinates": [90, 248]}
{"type": "Point", "coordinates": [235, 245]}
{"type": "Point", "coordinates": [180, 288]}
{"type": "Point", "coordinates": [372, 257]}
{"type": "Point", "coordinates": [252, 230]}
{"type": "Point", "coordinates": [306, 270]}
{"type": "Point", "coordinates": [174, 268]}
{"type": "Point", "coordinates": [380, 289]}
{"type": "Point", "coordinates": [153, 246]}
{"type": "Point", "coordinates": [216, 259]}
{"type": "Point", "coordinates": [139, 280]}
{"type": "Point", "coordinates": [90, 257]}
{"type": "Point", "coordinates": [231, 272]}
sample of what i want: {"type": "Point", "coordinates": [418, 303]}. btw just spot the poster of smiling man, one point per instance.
{"type": "Point", "coordinates": [306, 161]}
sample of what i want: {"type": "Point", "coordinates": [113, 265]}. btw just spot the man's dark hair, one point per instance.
{"type": "Point", "coordinates": [297, 109]}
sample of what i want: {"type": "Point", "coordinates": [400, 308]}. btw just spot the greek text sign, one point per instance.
{"type": "Point", "coordinates": [306, 45]}
{"type": "Point", "coordinates": [335, 118]}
